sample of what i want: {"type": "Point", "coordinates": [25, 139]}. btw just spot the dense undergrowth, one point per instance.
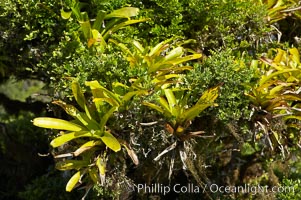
{"type": "Point", "coordinates": [150, 92]}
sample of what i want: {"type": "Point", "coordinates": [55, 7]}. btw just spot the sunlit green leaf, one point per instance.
{"type": "Point", "coordinates": [65, 15]}
{"type": "Point", "coordinates": [110, 141]}
{"type": "Point", "coordinates": [247, 149]}
{"type": "Point", "coordinates": [60, 140]}
{"type": "Point", "coordinates": [125, 12]}
{"type": "Point", "coordinates": [153, 106]}
{"type": "Point", "coordinates": [88, 145]}
{"type": "Point", "coordinates": [73, 181]}
{"type": "Point", "coordinates": [54, 123]}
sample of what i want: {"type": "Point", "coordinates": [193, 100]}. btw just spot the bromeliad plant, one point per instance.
{"type": "Point", "coordinates": [88, 133]}
{"type": "Point", "coordinates": [159, 65]}
{"type": "Point", "coordinates": [280, 9]}
{"type": "Point", "coordinates": [91, 135]}
{"type": "Point", "coordinates": [174, 107]}
{"type": "Point", "coordinates": [105, 24]}
{"type": "Point", "coordinates": [276, 94]}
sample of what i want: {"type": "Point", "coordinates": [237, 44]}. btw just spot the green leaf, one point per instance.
{"type": "Point", "coordinates": [106, 117]}
{"type": "Point", "coordinates": [94, 85]}
{"type": "Point", "coordinates": [110, 141]}
{"type": "Point", "coordinates": [120, 88]}
{"type": "Point", "coordinates": [79, 97]}
{"type": "Point", "coordinates": [125, 12]}
{"type": "Point", "coordinates": [65, 15]}
{"type": "Point", "coordinates": [93, 175]}
{"type": "Point", "coordinates": [247, 149]}
{"type": "Point", "coordinates": [193, 112]}
{"type": "Point", "coordinates": [85, 25]}
{"type": "Point", "coordinates": [121, 25]}
{"type": "Point", "coordinates": [73, 181]}
{"type": "Point", "coordinates": [54, 123]}
{"type": "Point", "coordinates": [71, 164]}
{"type": "Point", "coordinates": [153, 106]}
{"type": "Point", "coordinates": [173, 107]}
{"type": "Point", "coordinates": [60, 140]}
{"type": "Point", "coordinates": [99, 20]}
{"type": "Point", "coordinates": [91, 124]}
{"type": "Point", "coordinates": [88, 145]}
{"type": "Point", "coordinates": [264, 78]}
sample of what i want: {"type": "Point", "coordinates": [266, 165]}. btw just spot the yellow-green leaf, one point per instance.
{"type": "Point", "coordinates": [79, 97]}
{"type": "Point", "coordinates": [193, 112]}
{"type": "Point", "coordinates": [153, 106]}
{"type": "Point", "coordinates": [173, 107]}
{"type": "Point", "coordinates": [87, 146]}
{"type": "Point", "coordinates": [125, 12]}
{"type": "Point", "coordinates": [94, 85]}
{"type": "Point", "coordinates": [71, 164]}
{"type": "Point", "coordinates": [110, 141]}
{"type": "Point", "coordinates": [101, 164]}
{"type": "Point", "coordinates": [65, 15]}
{"type": "Point", "coordinates": [91, 124]}
{"type": "Point", "coordinates": [73, 181]}
{"type": "Point", "coordinates": [130, 152]}
{"type": "Point", "coordinates": [209, 95]}
{"type": "Point", "coordinates": [54, 123]}
{"type": "Point", "coordinates": [70, 136]}
{"type": "Point", "coordinates": [93, 175]}
{"type": "Point", "coordinates": [175, 53]}
{"type": "Point", "coordinates": [121, 25]}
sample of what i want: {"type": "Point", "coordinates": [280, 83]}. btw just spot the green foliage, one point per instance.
{"type": "Point", "coordinates": [214, 24]}
{"type": "Point", "coordinates": [145, 96]}
{"type": "Point", "coordinates": [160, 65]}
{"type": "Point", "coordinates": [34, 30]}
{"type": "Point", "coordinates": [276, 95]}
{"type": "Point", "coordinates": [223, 68]}
{"type": "Point", "coordinates": [280, 9]}
{"type": "Point", "coordinates": [92, 124]}
{"type": "Point", "coordinates": [105, 24]}
{"type": "Point", "coordinates": [293, 193]}
{"type": "Point", "coordinates": [174, 106]}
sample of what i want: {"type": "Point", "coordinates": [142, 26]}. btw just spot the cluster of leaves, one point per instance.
{"type": "Point", "coordinates": [211, 23]}
{"type": "Point", "coordinates": [147, 92]}
{"type": "Point", "coordinates": [34, 29]}
{"type": "Point", "coordinates": [162, 71]}
{"type": "Point", "coordinates": [275, 104]}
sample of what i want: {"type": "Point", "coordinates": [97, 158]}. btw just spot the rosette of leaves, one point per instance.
{"type": "Point", "coordinates": [89, 133]}
{"type": "Point", "coordinates": [161, 65]}
{"type": "Point", "coordinates": [174, 108]}
{"type": "Point", "coordinates": [173, 105]}
{"type": "Point", "coordinates": [97, 33]}
{"type": "Point", "coordinates": [280, 9]}
{"type": "Point", "coordinates": [276, 94]}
